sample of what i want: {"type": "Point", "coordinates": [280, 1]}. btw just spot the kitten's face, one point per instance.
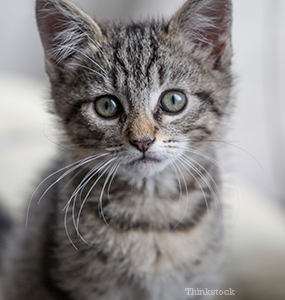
{"type": "Point", "coordinates": [137, 92]}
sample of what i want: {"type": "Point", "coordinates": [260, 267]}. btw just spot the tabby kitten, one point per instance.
{"type": "Point", "coordinates": [131, 209]}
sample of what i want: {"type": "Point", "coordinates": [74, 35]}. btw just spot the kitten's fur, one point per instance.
{"type": "Point", "coordinates": [149, 228]}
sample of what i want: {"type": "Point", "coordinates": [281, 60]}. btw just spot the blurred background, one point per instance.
{"type": "Point", "coordinates": [253, 154]}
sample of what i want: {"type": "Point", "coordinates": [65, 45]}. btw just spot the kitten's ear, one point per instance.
{"type": "Point", "coordinates": [205, 26]}
{"type": "Point", "coordinates": [64, 29]}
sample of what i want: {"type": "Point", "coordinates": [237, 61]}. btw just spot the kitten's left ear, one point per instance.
{"type": "Point", "coordinates": [204, 26]}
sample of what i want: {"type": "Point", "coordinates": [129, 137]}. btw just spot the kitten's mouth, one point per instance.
{"type": "Point", "coordinates": [148, 159]}
{"type": "Point", "coordinates": [144, 160]}
{"type": "Point", "coordinates": [146, 165]}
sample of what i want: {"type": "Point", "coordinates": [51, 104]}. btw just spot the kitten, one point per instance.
{"type": "Point", "coordinates": [131, 208]}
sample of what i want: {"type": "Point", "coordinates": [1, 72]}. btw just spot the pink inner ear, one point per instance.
{"type": "Point", "coordinates": [58, 28]}
{"type": "Point", "coordinates": [212, 23]}
{"type": "Point", "coordinates": [50, 25]}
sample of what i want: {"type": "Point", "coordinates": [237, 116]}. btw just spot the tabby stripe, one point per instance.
{"type": "Point", "coordinates": [202, 128]}
{"type": "Point", "coordinates": [124, 224]}
{"type": "Point", "coordinates": [154, 56]}
{"type": "Point", "coordinates": [197, 217]}
{"type": "Point", "coordinates": [206, 97]}
{"type": "Point", "coordinates": [119, 60]}
{"type": "Point", "coordinates": [76, 108]}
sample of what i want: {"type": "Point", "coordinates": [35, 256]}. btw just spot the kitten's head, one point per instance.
{"type": "Point", "coordinates": [142, 92]}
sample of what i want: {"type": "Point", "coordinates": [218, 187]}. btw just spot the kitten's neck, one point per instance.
{"type": "Point", "coordinates": [163, 183]}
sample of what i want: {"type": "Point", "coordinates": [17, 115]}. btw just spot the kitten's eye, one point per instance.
{"type": "Point", "coordinates": [107, 106]}
{"type": "Point", "coordinates": [173, 102]}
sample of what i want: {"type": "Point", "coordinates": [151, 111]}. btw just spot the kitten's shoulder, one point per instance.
{"type": "Point", "coordinates": [27, 251]}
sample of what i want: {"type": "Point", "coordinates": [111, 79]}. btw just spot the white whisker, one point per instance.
{"type": "Point", "coordinates": [87, 178]}
{"type": "Point", "coordinates": [187, 198]}
{"type": "Point", "coordinates": [73, 177]}
{"type": "Point", "coordinates": [197, 171]}
{"type": "Point", "coordinates": [204, 155]}
{"type": "Point", "coordinates": [203, 177]}
{"type": "Point", "coordinates": [81, 187]}
{"type": "Point", "coordinates": [73, 167]}
{"type": "Point", "coordinates": [245, 151]}
{"type": "Point", "coordinates": [199, 165]}
{"type": "Point", "coordinates": [179, 182]}
{"type": "Point", "coordinates": [89, 192]}
{"type": "Point", "coordinates": [110, 183]}
{"type": "Point", "coordinates": [100, 204]}
{"type": "Point", "coordinates": [65, 226]}
{"type": "Point", "coordinates": [197, 181]}
{"type": "Point", "coordinates": [68, 172]}
{"type": "Point", "coordinates": [216, 163]}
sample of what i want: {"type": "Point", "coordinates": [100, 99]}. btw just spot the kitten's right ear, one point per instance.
{"type": "Point", "coordinates": [205, 26]}
{"type": "Point", "coordinates": [64, 29]}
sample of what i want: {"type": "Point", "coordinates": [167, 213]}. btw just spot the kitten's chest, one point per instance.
{"type": "Point", "coordinates": [137, 263]}
{"type": "Point", "coordinates": [136, 257]}
{"type": "Point", "coordinates": [136, 253]}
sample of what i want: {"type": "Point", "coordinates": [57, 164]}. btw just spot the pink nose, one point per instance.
{"type": "Point", "coordinates": [142, 145]}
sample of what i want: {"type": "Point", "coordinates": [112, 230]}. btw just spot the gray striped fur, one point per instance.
{"type": "Point", "coordinates": [147, 229]}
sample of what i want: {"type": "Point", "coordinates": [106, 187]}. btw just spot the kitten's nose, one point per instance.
{"type": "Point", "coordinates": [142, 145]}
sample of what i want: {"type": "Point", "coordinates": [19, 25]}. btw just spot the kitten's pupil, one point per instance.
{"type": "Point", "coordinates": [174, 99]}
{"type": "Point", "coordinates": [106, 105]}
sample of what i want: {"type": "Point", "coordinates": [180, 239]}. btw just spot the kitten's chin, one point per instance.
{"type": "Point", "coordinates": [146, 167]}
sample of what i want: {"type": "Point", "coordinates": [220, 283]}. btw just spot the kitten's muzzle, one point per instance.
{"type": "Point", "coordinates": [143, 145]}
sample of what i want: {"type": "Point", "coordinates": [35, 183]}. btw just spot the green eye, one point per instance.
{"type": "Point", "coordinates": [107, 106]}
{"type": "Point", "coordinates": [173, 102]}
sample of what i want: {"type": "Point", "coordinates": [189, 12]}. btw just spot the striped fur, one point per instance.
{"type": "Point", "coordinates": [117, 223]}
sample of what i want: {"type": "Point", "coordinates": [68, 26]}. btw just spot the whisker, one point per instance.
{"type": "Point", "coordinates": [197, 181]}
{"type": "Point", "coordinates": [87, 178]}
{"type": "Point", "coordinates": [100, 204]}
{"type": "Point", "coordinates": [73, 177]}
{"type": "Point", "coordinates": [110, 183]}
{"type": "Point", "coordinates": [65, 226]}
{"type": "Point", "coordinates": [179, 182]}
{"type": "Point", "coordinates": [73, 146]}
{"type": "Point", "coordinates": [89, 192]}
{"type": "Point", "coordinates": [81, 183]}
{"type": "Point", "coordinates": [95, 171]}
{"type": "Point", "coordinates": [204, 155]}
{"type": "Point", "coordinates": [245, 151]}
{"type": "Point", "coordinates": [68, 172]}
{"type": "Point", "coordinates": [184, 159]}
{"type": "Point", "coordinates": [209, 186]}
{"type": "Point", "coordinates": [229, 143]}
{"type": "Point", "coordinates": [204, 178]}
{"type": "Point", "coordinates": [74, 195]}
{"type": "Point", "coordinates": [187, 198]}
{"type": "Point", "coordinates": [199, 165]}
{"type": "Point", "coordinates": [237, 186]}
{"type": "Point", "coordinates": [215, 162]}
{"type": "Point", "coordinates": [73, 167]}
